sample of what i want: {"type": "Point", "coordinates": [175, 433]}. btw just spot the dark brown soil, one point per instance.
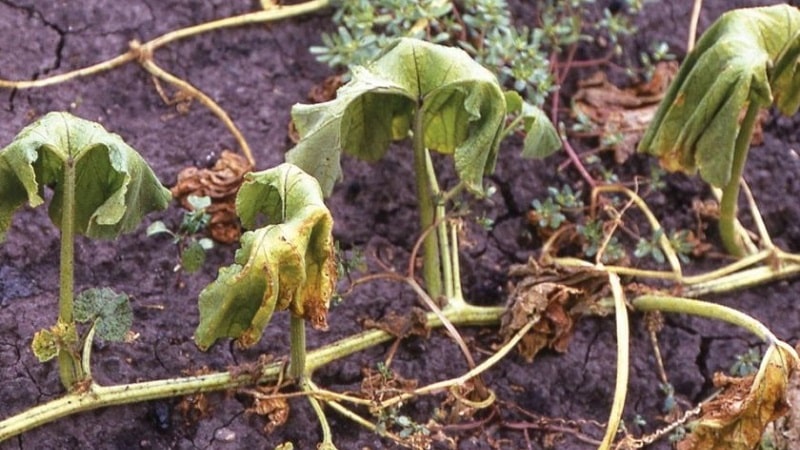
{"type": "Point", "coordinates": [256, 73]}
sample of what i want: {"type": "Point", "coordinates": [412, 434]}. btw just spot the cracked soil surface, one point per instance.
{"type": "Point", "coordinates": [256, 73]}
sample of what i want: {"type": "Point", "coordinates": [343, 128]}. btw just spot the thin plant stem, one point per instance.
{"type": "Point", "coordinates": [697, 6]}
{"type": "Point", "coordinates": [146, 61]}
{"type": "Point", "coordinates": [663, 240]}
{"type": "Point", "coordinates": [69, 363]}
{"type": "Point", "coordinates": [457, 300]}
{"type": "Point", "coordinates": [327, 437]}
{"type": "Point", "coordinates": [623, 362]}
{"type": "Point", "coordinates": [758, 219]}
{"type": "Point", "coordinates": [297, 347]}
{"type": "Point", "coordinates": [730, 193]}
{"type": "Point", "coordinates": [431, 266]}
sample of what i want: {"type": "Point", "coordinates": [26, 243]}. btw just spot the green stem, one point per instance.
{"type": "Point", "coordinates": [666, 303]}
{"type": "Point", "coordinates": [297, 347]}
{"type": "Point", "coordinates": [69, 365]}
{"type": "Point", "coordinates": [730, 193]}
{"type": "Point", "coordinates": [431, 266]}
{"type": "Point", "coordinates": [439, 219]}
{"type": "Point", "coordinates": [101, 396]}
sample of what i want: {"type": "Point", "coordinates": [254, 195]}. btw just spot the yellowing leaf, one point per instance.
{"type": "Point", "coordinates": [286, 264]}
{"type": "Point", "coordinates": [747, 56]}
{"type": "Point", "coordinates": [737, 417]}
{"type": "Point", "coordinates": [114, 187]}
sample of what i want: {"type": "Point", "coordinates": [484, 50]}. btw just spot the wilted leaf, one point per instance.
{"type": "Point", "coordinates": [286, 264]}
{"type": "Point", "coordinates": [461, 103]}
{"type": "Point", "coordinates": [220, 183]}
{"type": "Point", "coordinates": [541, 139]}
{"type": "Point", "coordinates": [746, 56]}
{"type": "Point", "coordinates": [736, 418]}
{"type": "Point", "coordinates": [114, 187]}
{"type": "Point", "coordinates": [554, 298]}
{"type": "Point", "coordinates": [111, 312]}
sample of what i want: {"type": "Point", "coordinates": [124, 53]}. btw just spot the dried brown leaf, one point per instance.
{"type": "Point", "coordinates": [401, 326]}
{"type": "Point", "coordinates": [736, 418]}
{"type": "Point", "coordinates": [274, 409]}
{"type": "Point", "coordinates": [553, 297]}
{"type": "Point", "coordinates": [628, 111]}
{"type": "Point", "coordinates": [220, 183]}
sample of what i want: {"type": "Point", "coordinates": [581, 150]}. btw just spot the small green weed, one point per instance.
{"type": "Point", "coordinates": [192, 250]}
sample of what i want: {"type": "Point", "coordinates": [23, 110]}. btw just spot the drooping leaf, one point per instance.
{"type": "Point", "coordinates": [736, 418]}
{"type": "Point", "coordinates": [746, 56]}
{"type": "Point", "coordinates": [461, 104]}
{"type": "Point", "coordinates": [114, 186]}
{"type": "Point", "coordinates": [110, 311]}
{"type": "Point", "coordinates": [288, 263]}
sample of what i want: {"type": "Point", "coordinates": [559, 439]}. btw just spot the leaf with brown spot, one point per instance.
{"type": "Point", "coordinates": [288, 263]}
{"type": "Point", "coordinates": [554, 298]}
{"type": "Point", "coordinates": [736, 418]}
{"type": "Point", "coordinates": [220, 183]}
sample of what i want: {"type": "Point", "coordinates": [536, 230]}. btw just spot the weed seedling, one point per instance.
{"type": "Point", "coordinates": [191, 250]}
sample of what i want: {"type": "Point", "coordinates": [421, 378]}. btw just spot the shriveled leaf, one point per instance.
{"type": "Point", "coordinates": [736, 418]}
{"type": "Point", "coordinates": [696, 126]}
{"type": "Point", "coordinates": [44, 345]}
{"type": "Point", "coordinates": [622, 112]}
{"type": "Point", "coordinates": [110, 311]}
{"type": "Point", "coordinates": [541, 139]}
{"type": "Point", "coordinates": [219, 184]}
{"type": "Point", "coordinates": [461, 103]}
{"type": "Point", "coordinates": [48, 342]}
{"type": "Point", "coordinates": [286, 264]}
{"type": "Point", "coordinates": [114, 187]}
{"type": "Point", "coordinates": [554, 298]}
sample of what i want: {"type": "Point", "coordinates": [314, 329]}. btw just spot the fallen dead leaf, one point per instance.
{"type": "Point", "coordinates": [221, 183]}
{"type": "Point", "coordinates": [553, 297]}
{"type": "Point", "coordinates": [626, 112]}
{"type": "Point", "coordinates": [399, 326]}
{"type": "Point", "coordinates": [274, 409]}
{"type": "Point", "coordinates": [737, 417]}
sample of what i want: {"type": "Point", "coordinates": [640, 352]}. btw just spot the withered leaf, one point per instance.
{"type": "Point", "coordinates": [220, 183]}
{"type": "Point", "coordinates": [737, 417]}
{"type": "Point", "coordinates": [626, 112]}
{"type": "Point", "coordinates": [274, 409]}
{"type": "Point", "coordinates": [413, 324]}
{"type": "Point", "coordinates": [553, 297]}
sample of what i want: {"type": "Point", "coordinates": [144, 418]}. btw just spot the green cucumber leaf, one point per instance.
{"type": "Point", "coordinates": [462, 107]}
{"type": "Point", "coordinates": [287, 263]}
{"type": "Point", "coordinates": [114, 187]}
{"type": "Point", "coordinates": [747, 55]}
